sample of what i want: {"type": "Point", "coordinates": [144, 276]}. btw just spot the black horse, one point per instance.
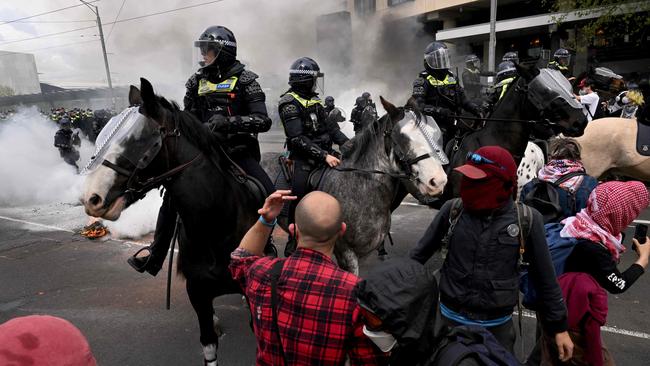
{"type": "Point", "coordinates": [160, 144]}
{"type": "Point", "coordinates": [538, 103]}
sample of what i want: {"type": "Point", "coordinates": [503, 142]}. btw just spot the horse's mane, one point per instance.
{"type": "Point", "coordinates": [362, 145]}
{"type": "Point", "coordinates": [192, 128]}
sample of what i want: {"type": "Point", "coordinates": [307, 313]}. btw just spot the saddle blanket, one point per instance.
{"type": "Point", "coordinates": [643, 139]}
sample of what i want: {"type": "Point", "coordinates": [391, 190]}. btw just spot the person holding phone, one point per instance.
{"type": "Point", "coordinates": [611, 207]}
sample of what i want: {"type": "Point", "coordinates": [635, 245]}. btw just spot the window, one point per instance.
{"type": "Point", "coordinates": [397, 2]}
{"type": "Point", "coordinates": [365, 7]}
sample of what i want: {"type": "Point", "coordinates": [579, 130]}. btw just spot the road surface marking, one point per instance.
{"type": "Point", "coordinates": [36, 224]}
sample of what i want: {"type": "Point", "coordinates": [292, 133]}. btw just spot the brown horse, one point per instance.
{"type": "Point", "coordinates": [609, 147]}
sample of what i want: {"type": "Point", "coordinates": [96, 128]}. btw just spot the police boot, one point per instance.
{"type": "Point", "coordinates": [145, 263]}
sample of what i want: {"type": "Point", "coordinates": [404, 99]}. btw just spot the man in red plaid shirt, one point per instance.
{"type": "Point", "coordinates": [318, 319]}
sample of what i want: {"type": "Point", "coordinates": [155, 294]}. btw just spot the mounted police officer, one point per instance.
{"type": "Point", "coordinates": [472, 76]}
{"type": "Point", "coordinates": [66, 141]}
{"type": "Point", "coordinates": [506, 74]}
{"type": "Point", "coordinates": [230, 100]}
{"type": "Point", "coordinates": [437, 91]}
{"type": "Point", "coordinates": [368, 99]}
{"type": "Point", "coordinates": [329, 104]}
{"type": "Point", "coordinates": [561, 61]}
{"type": "Point", "coordinates": [310, 134]}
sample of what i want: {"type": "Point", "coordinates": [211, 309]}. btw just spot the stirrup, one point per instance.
{"type": "Point", "coordinates": [140, 267]}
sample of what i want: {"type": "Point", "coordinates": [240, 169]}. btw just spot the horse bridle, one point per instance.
{"type": "Point", "coordinates": [136, 189]}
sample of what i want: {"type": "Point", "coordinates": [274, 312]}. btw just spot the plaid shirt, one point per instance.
{"type": "Point", "coordinates": [318, 314]}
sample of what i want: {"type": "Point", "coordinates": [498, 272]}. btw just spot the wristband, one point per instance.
{"type": "Point", "coordinates": [266, 223]}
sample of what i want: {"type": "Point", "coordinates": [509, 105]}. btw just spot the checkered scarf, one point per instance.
{"type": "Point", "coordinates": [611, 207]}
{"type": "Point", "coordinates": [556, 169]}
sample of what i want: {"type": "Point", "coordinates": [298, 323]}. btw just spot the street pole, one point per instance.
{"type": "Point", "coordinates": [101, 38]}
{"type": "Point", "coordinates": [493, 38]}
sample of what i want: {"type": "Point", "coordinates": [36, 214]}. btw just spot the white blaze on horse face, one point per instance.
{"type": "Point", "coordinates": [431, 175]}
{"type": "Point", "coordinates": [99, 183]}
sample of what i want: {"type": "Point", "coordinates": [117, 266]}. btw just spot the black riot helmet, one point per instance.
{"type": "Point", "coordinates": [436, 56]}
{"type": "Point", "coordinates": [511, 56]}
{"type": "Point", "coordinates": [304, 74]}
{"type": "Point", "coordinates": [329, 101]}
{"type": "Point", "coordinates": [221, 41]}
{"type": "Point", "coordinates": [506, 69]}
{"type": "Point", "coordinates": [472, 62]}
{"type": "Point", "coordinates": [366, 96]}
{"type": "Point", "coordinates": [562, 56]}
{"type": "Point", "coordinates": [361, 102]}
{"type": "Point", "coordinates": [65, 122]}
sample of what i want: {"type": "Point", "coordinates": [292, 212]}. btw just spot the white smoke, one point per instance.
{"type": "Point", "coordinates": [34, 174]}
{"type": "Point", "coordinates": [31, 168]}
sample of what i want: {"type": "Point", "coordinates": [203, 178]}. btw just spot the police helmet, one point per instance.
{"type": "Point", "coordinates": [511, 56]}
{"type": "Point", "coordinates": [304, 73]}
{"type": "Point", "coordinates": [329, 101]}
{"type": "Point", "coordinates": [436, 56]}
{"type": "Point", "coordinates": [361, 101]}
{"type": "Point", "coordinates": [562, 56]}
{"type": "Point", "coordinates": [221, 41]}
{"type": "Point", "coordinates": [506, 69]}
{"type": "Point", "coordinates": [472, 61]}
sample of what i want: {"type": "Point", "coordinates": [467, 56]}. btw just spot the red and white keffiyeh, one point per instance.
{"type": "Point", "coordinates": [611, 207]}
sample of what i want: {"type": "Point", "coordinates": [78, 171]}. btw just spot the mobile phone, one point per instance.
{"type": "Point", "coordinates": [640, 233]}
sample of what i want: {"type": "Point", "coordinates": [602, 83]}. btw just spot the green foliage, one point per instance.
{"type": "Point", "coordinates": [616, 18]}
{"type": "Point", "coordinates": [6, 91]}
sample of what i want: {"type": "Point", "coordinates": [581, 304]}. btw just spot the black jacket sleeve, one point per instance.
{"type": "Point", "coordinates": [191, 92]}
{"type": "Point", "coordinates": [597, 261]}
{"type": "Point", "coordinates": [431, 240]}
{"type": "Point", "coordinates": [553, 309]}
{"type": "Point", "coordinates": [297, 141]}
{"type": "Point", "coordinates": [335, 132]}
{"type": "Point", "coordinates": [254, 98]}
{"type": "Point", "coordinates": [467, 104]}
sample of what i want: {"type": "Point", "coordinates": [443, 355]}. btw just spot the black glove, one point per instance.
{"type": "Point", "coordinates": [218, 123]}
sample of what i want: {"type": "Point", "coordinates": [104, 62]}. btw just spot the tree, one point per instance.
{"type": "Point", "coordinates": [616, 18]}
{"type": "Point", "coordinates": [6, 91]}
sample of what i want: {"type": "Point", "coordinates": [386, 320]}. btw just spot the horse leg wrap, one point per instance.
{"type": "Point", "coordinates": [210, 354]}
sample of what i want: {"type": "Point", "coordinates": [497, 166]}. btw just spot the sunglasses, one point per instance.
{"type": "Point", "coordinates": [370, 319]}
{"type": "Point", "coordinates": [479, 159]}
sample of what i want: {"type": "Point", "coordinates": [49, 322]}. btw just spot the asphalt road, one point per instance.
{"type": "Point", "coordinates": [45, 270]}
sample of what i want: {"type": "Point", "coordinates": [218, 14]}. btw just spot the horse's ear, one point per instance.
{"type": "Point", "coordinates": [393, 112]}
{"type": "Point", "coordinates": [134, 96]}
{"type": "Point", "coordinates": [149, 102]}
{"type": "Point", "coordinates": [527, 72]}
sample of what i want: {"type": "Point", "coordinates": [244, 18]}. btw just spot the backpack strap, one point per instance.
{"type": "Point", "coordinates": [524, 220]}
{"type": "Point", "coordinates": [276, 271]}
{"type": "Point", "coordinates": [566, 177]}
{"type": "Point", "coordinates": [455, 212]}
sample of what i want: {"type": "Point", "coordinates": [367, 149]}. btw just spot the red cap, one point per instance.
{"type": "Point", "coordinates": [497, 154]}
{"type": "Point", "coordinates": [45, 340]}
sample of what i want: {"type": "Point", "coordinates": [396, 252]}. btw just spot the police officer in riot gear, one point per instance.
{"type": "Point", "coordinates": [226, 96]}
{"type": "Point", "coordinates": [511, 56]}
{"type": "Point", "coordinates": [506, 74]}
{"type": "Point", "coordinates": [329, 104]}
{"type": "Point", "coordinates": [368, 99]}
{"type": "Point", "coordinates": [438, 93]}
{"type": "Point", "coordinates": [310, 134]}
{"type": "Point", "coordinates": [356, 117]}
{"type": "Point", "coordinates": [66, 140]}
{"type": "Point", "coordinates": [561, 61]}
{"type": "Point", "coordinates": [472, 77]}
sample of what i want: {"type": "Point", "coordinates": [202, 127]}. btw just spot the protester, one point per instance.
{"type": "Point", "coordinates": [565, 167]}
{"type": "Point", "coordinates": [611, 207]}
{"type": "Point", "coordinates": [314, 318]}
{"type": "Point", "coordinates": [43, 340]}
{"type": "Point", "coordinates": [589, 98]}
{"type": "Point", "coordinates": [480, 275]}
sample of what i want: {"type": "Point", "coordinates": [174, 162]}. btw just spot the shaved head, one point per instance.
{"type": "Point", "coordinates": [318, 219]}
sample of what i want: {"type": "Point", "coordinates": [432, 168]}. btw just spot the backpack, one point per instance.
{"type": "Point", "coordinates": [469, 342]}
{"type": "Point", "coordinates": [63, 139]}
{"type": "Point", "coordinates": [545, 198]}
{"type": "Point", "coordinates": [559, 248]}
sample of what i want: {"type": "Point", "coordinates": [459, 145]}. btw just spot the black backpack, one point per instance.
{"type": "Point", "coordinates": [63, 139]}
{"type": "Point", "coordinates": [544, 197]}
{"type": "Point", "coordinates": [471, 345]}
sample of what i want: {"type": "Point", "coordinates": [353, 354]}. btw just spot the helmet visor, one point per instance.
{"type": "Point", "coordinates": [207, 52]}
{"type": "Point", "coordinates": [438, 59]}
{"type": "Point", "coordinates": [564, 60]}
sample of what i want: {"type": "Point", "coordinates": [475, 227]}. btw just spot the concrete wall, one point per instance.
{"type": "Point", "coordinates": [18, 71]}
